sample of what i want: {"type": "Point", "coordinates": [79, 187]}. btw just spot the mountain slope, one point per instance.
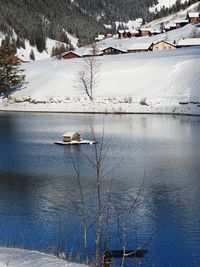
{"type": "Point", "coordinates": [35, 20]}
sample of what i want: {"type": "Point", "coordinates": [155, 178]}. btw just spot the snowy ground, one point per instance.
{"type": "Point", "coordinates": [151, 82]}
{"type": "Point", "coordinates": [24, 258]}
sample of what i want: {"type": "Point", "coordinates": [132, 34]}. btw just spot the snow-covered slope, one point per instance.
{"type": "Point", "coordinates": [166, 82]}
{"type": "Point", "coordinates": [24, 258]}
{"type": "Point", "coordinates": [181, 15]}
{"type": "Point", "coordinates": [165, 3]}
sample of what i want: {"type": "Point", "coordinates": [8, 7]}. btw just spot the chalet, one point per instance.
{"type": "Point", "coordinates": [71, 136]}
{"type": "Point", "coordinates": [70, 55]}
{"type": "Point", "coordinates": [188, 42]}
{"type": "Point", "coordinates": [194, 17]}
{"type": "Point", "coordinates": [172, 26]}
{"type": "Point", "coordinates": [181, 23]}
{"type": "Point", "coordinates": [112, 51]}
{"type": "Point", "coordinates": [139, 47]}
{"type": "Point", "coordinates": [145, 32]}
{"type": "Point", "coordinates": [163, 45]}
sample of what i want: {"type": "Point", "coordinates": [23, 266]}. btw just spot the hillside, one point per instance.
{"type": "Point", "coordinates": [38, 20]}
{"type": "Point", "coordinates": [152, 82]}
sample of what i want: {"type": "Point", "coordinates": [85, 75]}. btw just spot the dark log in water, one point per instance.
{"type": "Point", "coordinates": [138, 253]}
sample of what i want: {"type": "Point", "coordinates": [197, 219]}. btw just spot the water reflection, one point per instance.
{"type": "Point", "coordinates": [38, 185]}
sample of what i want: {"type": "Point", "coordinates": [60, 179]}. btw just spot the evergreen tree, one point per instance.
{"type": "Point", "coordinates": [11, 76]}
{"type": "Point", "coordinates": [32, 55]}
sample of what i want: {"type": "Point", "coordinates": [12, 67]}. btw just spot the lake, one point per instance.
{"type": "Point", "coordinates": [153, 162]}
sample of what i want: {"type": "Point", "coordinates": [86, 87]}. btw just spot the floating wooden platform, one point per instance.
{"type": "Point", "coordinates": [82, 142]}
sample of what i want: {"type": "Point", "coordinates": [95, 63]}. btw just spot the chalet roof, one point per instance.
{"type": "Point", "coordinates": [182, 21]}
{"type": "Point", "coordinates": [145, 29]}
{"type": "Point", "coordinates": [100, 37]}
{"type": "Point", "coordinates": [134, 31]}
{"type": "Point", "coordinates": [90, 52]}
{"type": "Point", "coordinates": [73, 52]}
{"type": "Point", "coordinates": [189, 42]}
{"type": "Point", "coordinates": [155, 31]}
{"type": "Point", "coordinates": [113, 47]}
{"type": "Point", "coordinates": [172, 25]}
{"type": "Point", "coordinates": [139, 46]}
{"type": "Point", "coordinates": [194, 14]}
{"type": "Point", "coordinates": [167, 42]}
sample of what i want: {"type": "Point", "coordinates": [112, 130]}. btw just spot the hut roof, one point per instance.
{"type": "Point", "coordinates": [193, 14]}
{"type": "Point", "coordinates": [139, 46]}
{"type": "Point", "coordinates": [73, 52]}
{"type": "Point", "coordinates": [113, 47]}
{"type": "Point", "coordinates": [164, 41]}
{"type": "Point", "coordinates": [70, 134]}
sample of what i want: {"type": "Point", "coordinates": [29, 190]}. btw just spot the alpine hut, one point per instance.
{"type": "Point", "coordinates": [71, 136]}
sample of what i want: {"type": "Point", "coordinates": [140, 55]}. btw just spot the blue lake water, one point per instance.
{"type": "Point", "coordinates": [154, 159]}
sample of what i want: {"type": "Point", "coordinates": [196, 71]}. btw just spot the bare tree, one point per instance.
{"type": "Point", "coordinates": [87, 76]}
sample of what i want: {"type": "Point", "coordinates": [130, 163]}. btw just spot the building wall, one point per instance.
{"type": "Point", "coordinates": [194, 20]}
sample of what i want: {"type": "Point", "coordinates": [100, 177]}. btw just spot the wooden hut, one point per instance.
{"type": "Point", "coordinates": [71, 136]}
{"type": "Point", "coordinates": [194, 17]}
{"type": "Point", "coordinates": [112, 51]}
{"type": "Point", "coordinates": [181, 23]}
{"type": "Point", "coordinates": [163, 45]}
{"type": "Point", "coordinates": [145, 32]}
{"type": "Point", "coordinates": [70, 55]}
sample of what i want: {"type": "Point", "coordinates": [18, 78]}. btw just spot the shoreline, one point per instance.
{"type": "Point", "coordinates": [99, 113]}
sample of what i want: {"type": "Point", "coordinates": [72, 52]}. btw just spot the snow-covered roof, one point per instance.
{"type": "Point", "coordinates": [139, 46]}
{"type": "Point", "coordinates": [113, 47]}
{"type": "Point", "coordinates": [172, 25]}
{"type": "Point", "coordinates": [189, 42]}
{"type": "Point", "coordinates": [146, 29]}
{"type": "Point", "coordinates": [91, 52]}
{"type": "Point", "coordinates": [155, 31]}
{"type": "Point", "coordinates": [73, 52]}
{"type": "Point", "coordinates": [167, 42]}
{"type": "Point", "coordinates": [134, 31]}
{"type": "Point", "coordinates": [182, 21]}
{"type": "Point", "coordinates": [99, 37]}
{"type": "Point", "coordinates": [194, 14]}
{"type": "Point", "coordinates": [71, 134]}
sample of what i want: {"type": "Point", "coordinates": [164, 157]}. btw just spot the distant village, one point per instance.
{"type": "Point", "coordinates": [135, 47]}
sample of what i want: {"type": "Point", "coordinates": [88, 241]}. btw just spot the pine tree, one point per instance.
{"type": "Point", "coordinates": [32, 55]}
{"type": "Point", "coordinates": [11, 76]}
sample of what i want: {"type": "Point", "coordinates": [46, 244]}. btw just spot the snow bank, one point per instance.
{"type": "Point", "coordinates": [150, 82]}
{"type": "Point", "coordinates": [25, 258]}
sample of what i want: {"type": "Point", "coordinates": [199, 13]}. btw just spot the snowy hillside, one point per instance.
{"type": "Point", "coordinates": [181, 15]}
{"type": "Point", "coordinates": [24, 54]}
{"type": "Point", "coordinates": [161, 82]}
{"type": "Point", "coordinates": [165, 3]}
